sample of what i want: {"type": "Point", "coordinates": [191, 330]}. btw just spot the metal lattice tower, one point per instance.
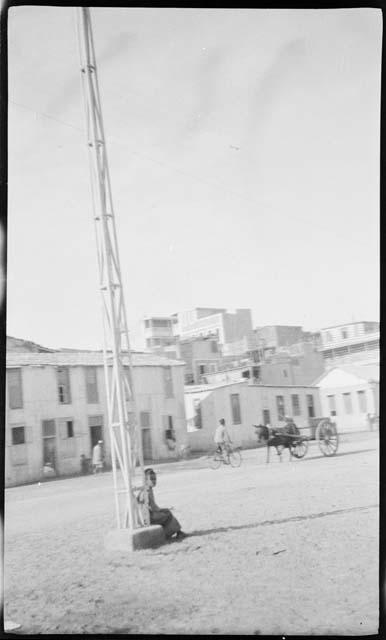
{"type": "Point", "coordinates": [126, 445]}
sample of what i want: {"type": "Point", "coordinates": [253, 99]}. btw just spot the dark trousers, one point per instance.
{"type": "Point", "coordinates": [165, 518]}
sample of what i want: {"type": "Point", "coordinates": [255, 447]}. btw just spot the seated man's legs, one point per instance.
{"type": "Point", "coordinates": [165, 518]}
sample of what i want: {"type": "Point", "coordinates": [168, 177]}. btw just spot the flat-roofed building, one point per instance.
{"type": "Point", "coordinates": [243, 405]}
{"type": "Point", "coordinates": [350, 395]}
{"type": "Point", "coordinates": [227, 327]}
{"type": "Point", "coordinates": [159, 332]}
{"type": "Point", "coordinates": [354, 342]}
{"type": "Point", "coordinates": [56, 409]}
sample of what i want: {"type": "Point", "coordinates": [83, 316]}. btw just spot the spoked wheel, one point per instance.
{"type": "Point", "coordinates": [299, 448]}
{"type": "Point", "coordinates": [215, 461]}
{"type": "Point", "coordinates": [327, 436]}
{"type": "Point", "coordinates": [235, 458]}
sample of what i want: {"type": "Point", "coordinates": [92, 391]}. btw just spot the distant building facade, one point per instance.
{"type": "Point", "coordinates": [243, 405]}
{"type": "Point", "coordinates": [202, 322]}
{"type": "Point", "coordinates": [159, 332]}
{"type": "Point", "coordinates": [350, 343]}
{"type": "Point", "coordinates": [281, 368]}
{"type": "Point", "coordinates": [350, 394]}
{"type": "Point", "coordinates": [273, 338]}
{"type": "Point", "coordinates": [56, 410]}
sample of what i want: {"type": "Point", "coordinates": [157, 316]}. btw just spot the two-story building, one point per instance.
{"type": "Point", "coordinates": [56, 409]}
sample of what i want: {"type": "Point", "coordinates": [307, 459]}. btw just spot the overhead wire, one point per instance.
{"type": "Point", "coordinates": [113, 140]}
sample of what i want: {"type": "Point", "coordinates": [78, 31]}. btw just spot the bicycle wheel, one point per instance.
{"type": "Point", "coordinates": [215, 461]}
{"type": "Point", "coordinates": [235, 458]}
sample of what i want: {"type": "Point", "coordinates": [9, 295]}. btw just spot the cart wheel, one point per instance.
{"type": "Point", "coordinates": [300, 448]}
{"type": "Point", "coordinates": [327, 436]}
{"type": "Point", "coordinates": [215, 461]}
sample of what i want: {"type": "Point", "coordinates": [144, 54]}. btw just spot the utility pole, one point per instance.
{"type": "Point", "coordinates": [126, 445]}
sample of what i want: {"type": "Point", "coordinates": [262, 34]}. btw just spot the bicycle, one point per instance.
{"type": "Point", "coordinates": [231, 456]}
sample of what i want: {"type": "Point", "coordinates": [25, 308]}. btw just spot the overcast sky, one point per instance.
{"type": "Point", "coordinates": [244, 159]}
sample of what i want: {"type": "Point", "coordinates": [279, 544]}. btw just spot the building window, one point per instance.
{"type": "Point", "coordinates": [168, 382]}
{"type": "Point", "coordinates": [236, 412]}
{"type": "Point", "coordinates": [49, 429]}
{"type": "Point", "coordinates": [295, 405]}
{"type": "Point", "coordinates": [328, 336]}
{"type": "Point", "coordinates": [214, 347]}
{"type": "Point", "coordinates": [18, 435]}
{"type": "Point", "coordinates": [14, 389]}
{"type": "Point", "coordinates": [144, 419]}
{"type": "Point", "coordinates": [70, 428]}
{"type": "Point", "coordinates": [91, 385]}
{"type": "Point", "coordinates": [280, 407]}
{"type": "Point", "coordinates": [197, 414]}
{"type": "Point", "coordinates": [344, 334]}
{"type": "Point", "coordinates": [362, 401]}
{"type": "Point", "coordinates": [332, 405]}
{"type": "Point", "coordinates": [285, 373]}
{"type": "Point", "coordinates": [67, 438]}
{"type": "Point", "coordinates": [169, 429]}
{"type": "Point", "coordinates": [64, 385]}
{"type": "Point", "coordinates": [347, 402]}
{"type": "Point", "coordinates": [310, 406]}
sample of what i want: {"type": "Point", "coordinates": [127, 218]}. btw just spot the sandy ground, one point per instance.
{"type": "Point", "coordinates": [287, 548]}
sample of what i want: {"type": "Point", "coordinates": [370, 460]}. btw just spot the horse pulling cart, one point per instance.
{"type": "Point", "coordinates": [323, 430]}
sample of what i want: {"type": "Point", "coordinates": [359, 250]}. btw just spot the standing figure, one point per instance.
{"type": "Point", "coordinates": [221, 437]}
{"type": "Point", "coordinates": [164, 517]}
{"type": "Point", "coordinates": [97, 457]}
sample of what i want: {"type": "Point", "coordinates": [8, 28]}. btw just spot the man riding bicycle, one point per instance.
{"type": "Point", "coordinates": [222, 438]}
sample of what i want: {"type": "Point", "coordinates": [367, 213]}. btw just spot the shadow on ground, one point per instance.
{"type": "Point", "coordinates": [264, 523]}
{"type": "Point", "coordinates": [337, 455]}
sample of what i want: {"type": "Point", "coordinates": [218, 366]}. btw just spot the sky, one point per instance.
{"type": "Point", "coordinates": [244, 150]}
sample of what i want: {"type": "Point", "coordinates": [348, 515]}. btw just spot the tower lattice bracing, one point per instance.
{"type": "Point", "coordinates": [126, 446]}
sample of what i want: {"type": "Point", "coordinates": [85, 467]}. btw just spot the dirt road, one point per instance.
{"type": "Point", "coordinates": [287, 548]}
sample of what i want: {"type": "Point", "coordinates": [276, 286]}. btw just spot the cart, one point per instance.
{"type": "Point", "coordinates": [323, 430]}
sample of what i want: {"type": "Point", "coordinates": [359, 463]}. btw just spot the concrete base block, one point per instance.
{"type": "Point", "coordinates": [133, 540]}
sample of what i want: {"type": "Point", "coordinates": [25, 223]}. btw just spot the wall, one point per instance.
{"type": "Point", "coordinates": [237, 325]}
{"type": "Point", "coordinates": [355, 332]}
{"type": "Point", "coordinates": [338, 382]}
{"type": "Point", "coordinates": [216, 404]}
{"type": "Point", "coordinates": [357, 420]}
{"type": "Point", "coordinates": [40, 402]}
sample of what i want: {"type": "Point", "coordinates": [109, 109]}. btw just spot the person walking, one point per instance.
{"type": "Point", "coordinates": [97, 457]}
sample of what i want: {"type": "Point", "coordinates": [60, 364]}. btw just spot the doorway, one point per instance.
{"type": "Point", "coordinates": [49, 443]}
{"type": "Point", "coordinates": [95, 434]}
{"type": "Point", "coordinates": [146, 445]}
{"type": "Point", "coordinates": [95, 425]}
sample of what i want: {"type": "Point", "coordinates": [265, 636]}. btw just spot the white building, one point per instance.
{"type": "Point", "coordinates": [349, 393]}
{"type": "Point", "coordinates": [243, 405]}
{"type": "Point", "coordinates": [56, 409]}
{"type": "Point", "coordinates": [355, 342]}
{"type": "Point", "coordinates": [159, 332]}
{"type": "Point", "coordinates": [226, 326]}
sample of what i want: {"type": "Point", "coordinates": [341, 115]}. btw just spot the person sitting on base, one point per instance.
{"type": "Point", "coordinates": [221, 437]}
{"type": "Point", "coordinates": [164, 517]}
